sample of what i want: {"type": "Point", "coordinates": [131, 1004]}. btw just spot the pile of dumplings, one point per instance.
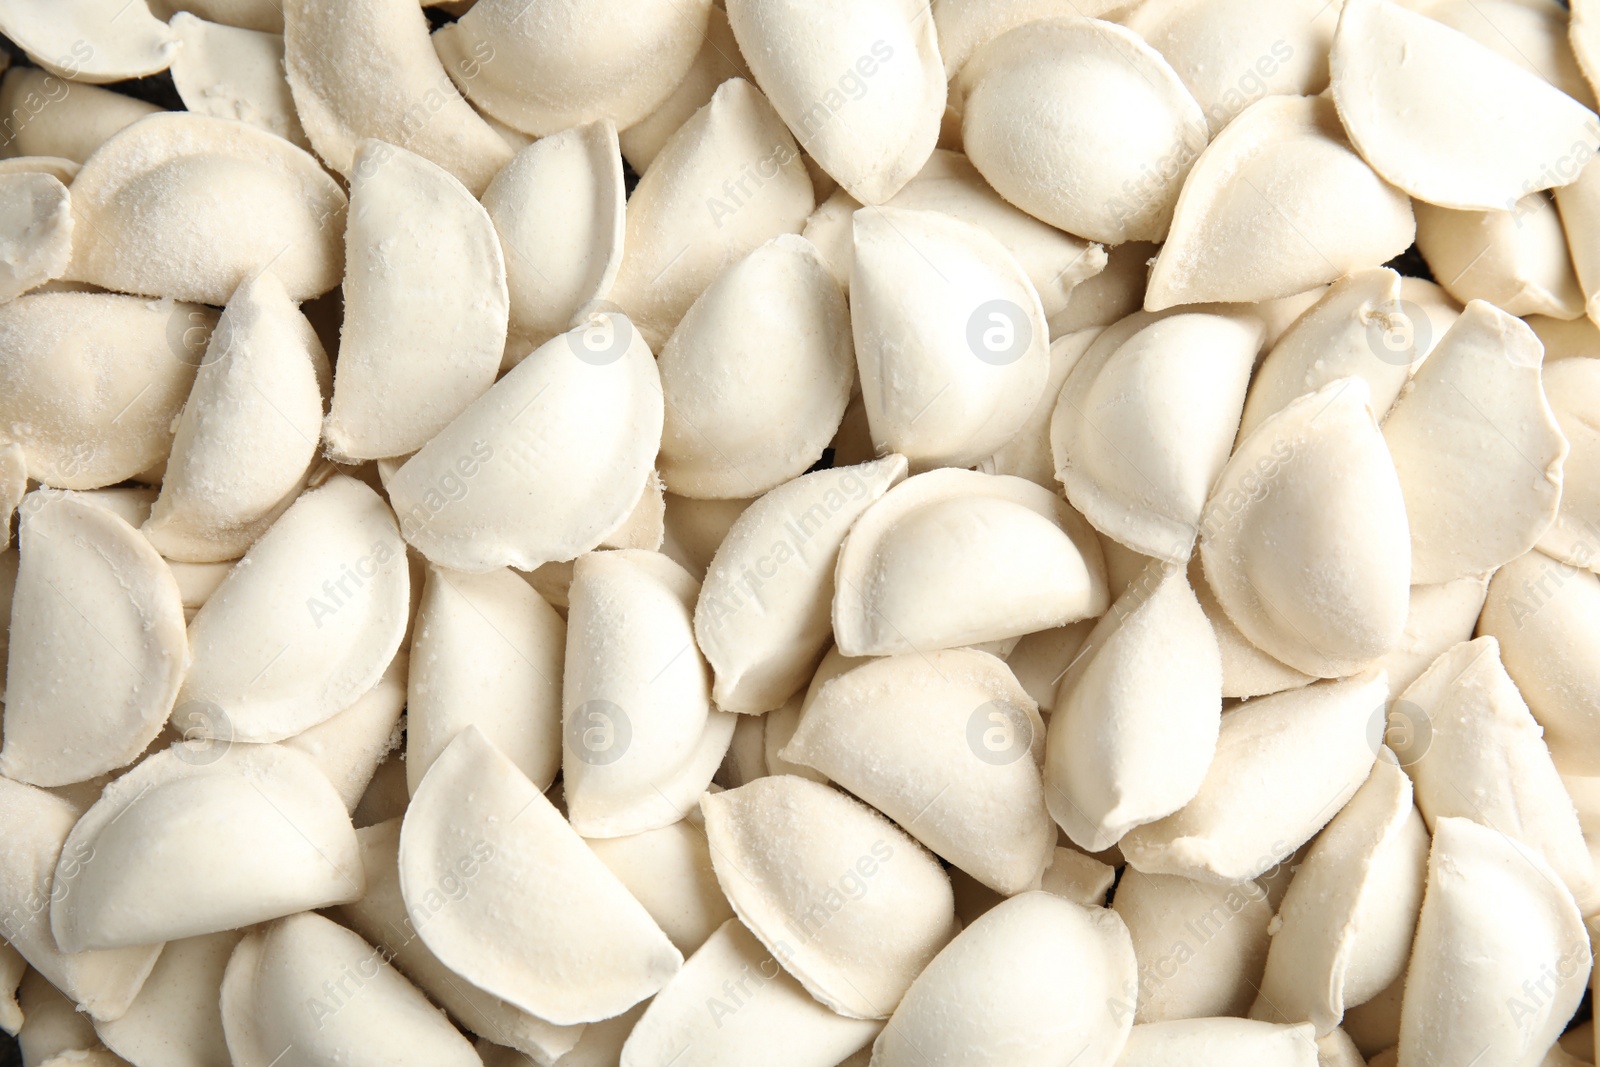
{"type": "Point", "coordinates": [799, 533]}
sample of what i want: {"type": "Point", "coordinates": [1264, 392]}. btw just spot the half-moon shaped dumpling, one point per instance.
{"type": "Point", "coordinates": [1533, 35]}
{"type": "Point", "coordinates": [954, 557]}
{"type": "Point", "coordinates": [1572, 389]}
{"type": "Point", "coordinates": [1128, 744]}
{"type": "Point", "coordinates": [1493, 914]}
{"type": "Point", "coordinates": [91, 383]}
{"type": "Point", "coordinates": [305, 991]}
{"type": "Point", "coordinates": [1082, 124]}
{"type": "Point", "coordinates": [1474, 426]}
{"type": "Point", "coordinates": [1516, 258]}
{"type": "Point", "coordinates": [1304, 540]}
{"type": "Point", "coordinates": [367, 68]}
{"type": "Point", "coordinates": [538, 907]}
{"type": "Point", "coordinates": [1438, 618]}
{"type": "Point", "coordinates": [189, 206]}
{"type": "Point", "coordinates": [35, 231]}
{"type": "Point", "coordinates": [728, 181]}
{"type": "Point", "coordinates": [198, 839]}
{"type": "Point", "coordinates": [35, 825]}
{"type": "Point", "coordinates": [695, 529]}
{"type": "Point", "coordinates": [1285, 764]}
{"type": "Point", "coordinates": [487, 652]}
{"type": "Point", "coordinates": [757, 375]}
{"type": "Point", "coordinates": [842, 898]}
{"type": "Point", "coordinates": [1359, 328]}
{"type": "Point", "coordinates": [1546, 616]}
{"type": "Point", "coordinates": [1266, 210]}
{"type": "Point", "coordinates": [949, 745]}
{"type": "Point", "coordinates": [197, 581]}
{"type": "Point", "coordinates": [1230, 53]}
{"type": "Point", "coordinates": [951, 340]}
{"type": "Point", "coordinates": [967, 25]}
{"type": "Point", "coordinates": [762, 618]}
{"type": "Point", "coordinates": [93, 41]}
{"type": "Point", "coordinates": [1146, 420]}
{"type": "Point", "coordinates": [380, 917]}
{"type": "Point", "coordinates": [62, 170]}
{"type": "Point", "coordinates": [540, 66]}
{"type": "Point", "coordinates": [248, 433]}
{"type": "Point", "coordinates": [233, 73]}
{"type": "Point", "coordinates": [640, 738]}
{"type": "Point", "coordinates": [883, 53]}
{"type": "Point", "coordinates": [547, 463]}
{"type": "Point", "coordinates": [1028, 454]}
{"type": "Point", "coordinates": [1344, 929]}
{"type": "Point", "coordinates": [669, 871]}
{"type": "Point", "coordinates": [1476, 753]}
{"type": "Point", "coordinates": [1246, 670]}
{"type": "Point", "coordinates": [716, 62]}
{"type": "Point", "coordinates": [349, 747]}
{"type": "Point", "coordinates": [1055, 262]}
{"type": "Point", "coordinates": [1578, 205]}
{"type": "Point", "coordinates": [425, 306]}
{"type": "Point", "coordinates": [1033, 977]}
{"type": "Point", "coordinates": [558, 210]}
{"type": "Point", "coordinates": [308, 620]}
{"type": "Point", "coordinates": [1220, 971]}
{"type": "Point", "coordinates": [50, 124]}
{"type": "Point", "coordinates": [1445, 118]}
{"type": "Point", "coordinates": [734, 1004]}
{"type": "Point", "coordinates": [176, 1019]}
{"type": "Point", "coordinates": [97, 644]}
{"type": "Point", "coordinates": [52, 1022]}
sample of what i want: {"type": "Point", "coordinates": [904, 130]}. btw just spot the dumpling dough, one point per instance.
{"type": "Point", "coordinates": [187, 206]}
{"type": "Point", "coordinates": [1493, 913]}
{"type": "Point", "coordinates": [1026, 985]}
{"type": "Point", "coordinates": [425, 306]}
{"type": "Point", "coordinates": [1474, 426]}
{"type": "Point", "coordinates": [948, 744]}
{"type": "Point", "coordinates": [305, 991]}
{"type": "Point", "coordinates": [954, 557]}
{"type": "Point", "coordinates": [884, 53]}
{"type": "Point", "coordinates": [97, 644]}
{"type": "Point", "coordinates": [844, 900]}
{"type": "Point", "coordinates": [308, 620]}
{"type": "Point", "coordinates": [248, 432]}
{"type": "Point", "coordinates": [546, 464]}
{"type": "Point", "coordinates": [539, 906]}
{"type": "Point", "coordinates": [1305, 540]}
{"type": "Point", "coordinates": [951, 340]}
{"type": "Point", "coordinates": [149, 861]}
